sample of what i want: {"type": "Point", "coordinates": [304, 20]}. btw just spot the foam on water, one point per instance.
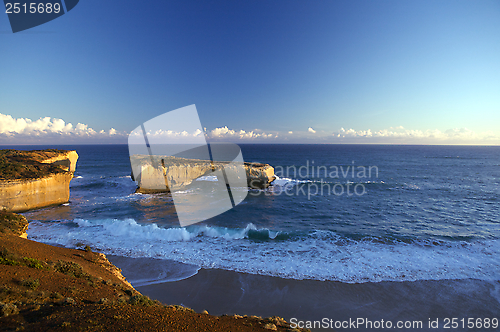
{"type": "Point", "coordinates": [211, 178]}
{"type": "Point", "coordinates": [287, 181]}
{"type": "Point", "coordinates": [321, 255]}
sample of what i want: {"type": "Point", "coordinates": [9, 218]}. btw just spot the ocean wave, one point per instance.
{"type": "Point", "coordinates": [130, 228]}
{"type": "Point", "coordinates": [320, 255]}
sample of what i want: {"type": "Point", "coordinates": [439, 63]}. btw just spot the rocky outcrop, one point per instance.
{"type": "Point", "coordinates": [163, 174]}
{"type": "Point", "coordinates": [35, 179]}
{"type": "Point", "coordinates": [67, 160]}
{"type": "Point", "coordinates": [259, 176]}
{"type": "Point", "coordinates": [106, 264]}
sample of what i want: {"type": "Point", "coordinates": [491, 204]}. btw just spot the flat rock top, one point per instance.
{"type": "Point", "coordinates": [20, 165]}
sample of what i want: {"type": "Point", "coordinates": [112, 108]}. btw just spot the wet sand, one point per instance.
{"type": "Point", "coordinates": [227, 292]}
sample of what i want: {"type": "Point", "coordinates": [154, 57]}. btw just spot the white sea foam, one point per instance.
{"type": "Point", "coordinates": [184, 191]}
{"type": "Point", "coordinates": [319, 255]}
{"type": "Point", "coordinates": [283, 183]}
{"type": "Point", "coordinates": [211, 178]}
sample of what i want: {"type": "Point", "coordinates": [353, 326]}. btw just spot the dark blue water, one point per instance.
{"type": "Point", "coordinates": [406, 213]}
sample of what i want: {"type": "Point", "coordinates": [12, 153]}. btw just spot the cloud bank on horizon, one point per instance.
{"type": "Point", "coordinates": [47, 130]}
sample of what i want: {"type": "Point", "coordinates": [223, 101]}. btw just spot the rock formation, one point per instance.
{"type": "Point", "coordinates": [163, 174]}
{"type": "Point", "coordinates": [259, 176]}
{"type": "Point", "coordinates": [35, 179]}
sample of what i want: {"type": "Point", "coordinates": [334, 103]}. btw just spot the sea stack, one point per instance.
{"type": "Point", "coordinates": [35, 179]}
{"type": "Point", "coordinates": [162, 174]}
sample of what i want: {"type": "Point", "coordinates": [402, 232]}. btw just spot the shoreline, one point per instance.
{"type": "Point", "coordinates": [229, 292]}
{"type": "Point", "coordinates": [223, 292]}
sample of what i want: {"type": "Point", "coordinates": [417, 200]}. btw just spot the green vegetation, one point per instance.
{"type": "Point", "coordinates": [8, 258]}
{"type": "Point", "coordinates": [15, 165]}
{"type": "Point", "coordinates": [30, 283]}
{"type": "Point", "coordinates": [142, 300]}
{"type": "Point", "coordinates": [7, 261]}
{"type": "Point", "coordinates": [12, 223]}
{"type": "Point", "coordinates": [71, 268]}
{"type": "Point", "coordinates": [35, 263]}
{"type": "Point", "coordinates": [180, 308]}
{"type": "Point", "coordinates": [56, 295]}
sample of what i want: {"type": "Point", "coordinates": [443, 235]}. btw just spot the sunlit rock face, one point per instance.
{"type": "Point", "coordinates": [163, 174]}
{"type": "Point", "coordinates": [49, 188]}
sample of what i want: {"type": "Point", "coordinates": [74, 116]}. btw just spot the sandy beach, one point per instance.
{"type": "Point", "coordinates": [227, 292]}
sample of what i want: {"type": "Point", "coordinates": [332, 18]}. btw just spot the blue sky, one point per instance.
{"type": "Point", "coordinates": [419, 72]}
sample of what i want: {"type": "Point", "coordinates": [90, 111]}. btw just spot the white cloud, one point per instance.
{"type": "Point", "coordinates": [11, 126]}
{"type": "Point", "coordinates": [226, 133]}
{"type": "Point", "coordinates": [385, 136]}
{"type": "Point", "coordinates": [47, 129]}
{"type": "Point", "coordinates": [400, 134]}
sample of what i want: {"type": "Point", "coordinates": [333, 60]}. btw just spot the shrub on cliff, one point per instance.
{"type": "Point", "coordinates": [17, 165]}
{"type": "Point", "coordinates": [71, 268]}
{"type": "Point", "coordinates": [12, 223]}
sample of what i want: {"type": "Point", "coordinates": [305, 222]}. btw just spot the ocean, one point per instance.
{"type": "Point", "coordinates": [346, 232]}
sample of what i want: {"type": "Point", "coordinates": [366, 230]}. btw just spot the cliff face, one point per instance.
{"type": "Point", "coordinates": [171, 173]}
{"type": "Point", "coordinates": [24, 195]}
{"type": "Point", "coordinates": [35, 179]}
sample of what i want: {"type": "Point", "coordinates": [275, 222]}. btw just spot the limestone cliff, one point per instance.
{"type": "Point", "coordinates": [170, 173]}
{"type": "Point", "coordinates": [35, 179]}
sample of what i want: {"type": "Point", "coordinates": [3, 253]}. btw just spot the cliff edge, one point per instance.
{"type": "Point", "coordinates": [35, 179]}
